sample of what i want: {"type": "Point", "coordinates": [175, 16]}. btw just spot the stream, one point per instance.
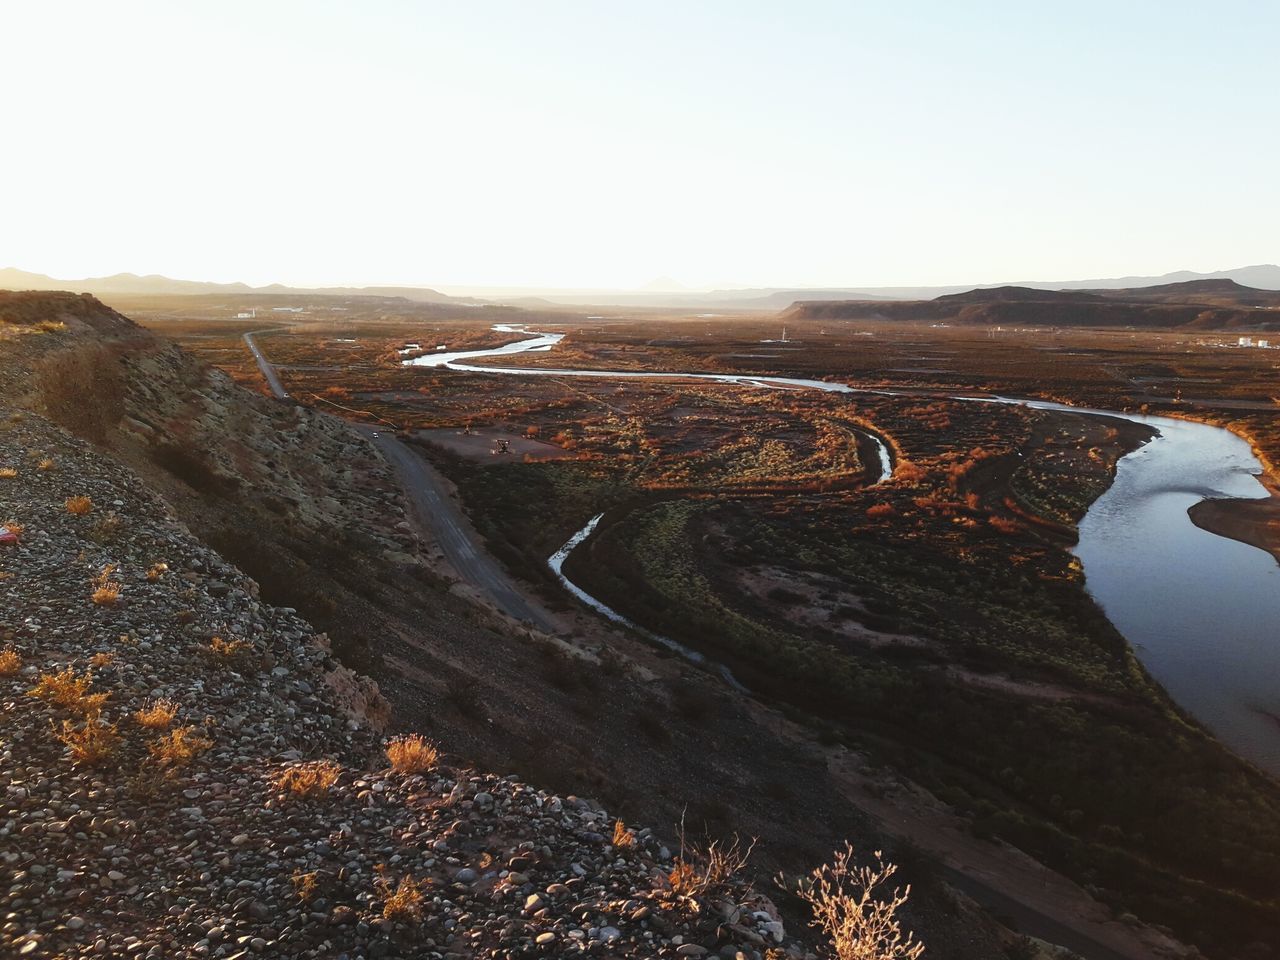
{"type": "Point", "coordinates": [1201, 611]}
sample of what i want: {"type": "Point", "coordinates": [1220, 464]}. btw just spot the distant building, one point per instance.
{"type": "Point", "coordinates": [247, 316]}
{"type": "Point", "coordinates": [1245, 342]}
{"type": "Point", "coordinates": [1264, 343]}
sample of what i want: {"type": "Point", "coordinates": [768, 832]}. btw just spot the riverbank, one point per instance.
{"type": "Point", "coordinates": [1255, 522]}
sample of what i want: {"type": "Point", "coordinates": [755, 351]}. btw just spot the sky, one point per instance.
{"type": "Point", "coordinates": [601, 144]}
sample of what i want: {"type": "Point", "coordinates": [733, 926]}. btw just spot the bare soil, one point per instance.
{"type": "Point", "coordinates": [484, 445]}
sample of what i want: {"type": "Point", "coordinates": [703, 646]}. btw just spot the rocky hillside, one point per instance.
{"type": "Point", "coordinates": [187, 772]}
{"type": "Point", "coordinates": [291, 496]}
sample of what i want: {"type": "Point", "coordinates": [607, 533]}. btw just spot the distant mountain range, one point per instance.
{"type": "Point", "coordinates": [1207, 304]}
{"type": "Point", "coordinates": [130, 284]}
{"type": "Point", "coordinates": [1260, 277]}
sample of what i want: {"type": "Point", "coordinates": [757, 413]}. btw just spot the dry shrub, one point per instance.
{"type": "Point", "coordinates": [401, 901]}
{"type": "Point", "coordinates": [623, 839]}
{"type": "Point", "coordinates": [91, 743]}
{"type": "Point", "coordinates": [79, 506]}
{"type": "Point", "coordinates": [7, 473]}
{"type": "Point", "coordinates": [681, 878]}
{"type": "Point", "coordinates": [68, 690]}
{"type": "Point", "coordinates": [103, 658]}
{"type": "Point", "coordinates": [307, 780]}
{"type": "Point", "coordinates": [304, 884]}
{"type": "Point", "coordinates": [861, 923]}
{"type": "Point", "coordinates": [702, 871]}
{"type": "Point", "coordinates": [156, 714]}
{"type": "Point", "coordinates": [150, 781]}
{"type": "Point", "coordinates": [880, 510]}
{"type": "Point", "coordinates": [179, 747]}
{"type": "Point", "coordinates": [45, 464]}
{"type": "Point", "coordinates": [16, 528]}
{"type": "Point", "coordinates": [907, 473]}
{"type": "Point", "coordinates": [1006, 526]}
{"type": "Point", "coordinates": [156, 571]}
{"type": "Point", "coordinates": [10, 662]}
{"type": "Point", "coordinates": [412, 754]}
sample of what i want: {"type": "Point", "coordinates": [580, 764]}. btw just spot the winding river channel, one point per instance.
{"type": "Point", "coordinates": [1201, 611]}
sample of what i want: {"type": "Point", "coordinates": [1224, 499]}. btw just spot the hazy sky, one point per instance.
{"type": "Point", "coordinates": [594, 144]}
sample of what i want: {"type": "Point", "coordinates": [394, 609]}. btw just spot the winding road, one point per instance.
{"type": "Point", "coordinates": [435, 511]}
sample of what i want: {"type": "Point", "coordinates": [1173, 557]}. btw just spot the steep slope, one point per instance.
{"type": "Point", "coordinates": [286, 493]}
{"type": "Point", "coordinates": [187, 772]}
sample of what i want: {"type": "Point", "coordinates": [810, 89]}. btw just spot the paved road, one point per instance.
{"type": "Point", "coordinates": [265, 365]}
{"type": "Point", "coordinates": [441, 515]}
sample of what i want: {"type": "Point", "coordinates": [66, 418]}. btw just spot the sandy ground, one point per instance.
{"type": "Point", "coordinates": [1255, 522]}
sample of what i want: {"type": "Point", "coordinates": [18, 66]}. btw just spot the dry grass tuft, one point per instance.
{"type": "Point", "coordinates": [179, 747]}
{"type": "Point", "coordinates": [70, 691]}
{"type": "Point", "coordinates": [106, 591]}
{"type": "Point", "coordinates": [103, 658]}
{"type": "Point", "coordinates": [401, 901]}
{"type": "Point", "coordinates": [7, 473]}
{"type": "Point", "coordinates": [307, 780]}
{"type": "Point", "coordinates": [106, 595]}
{"type": "Point", "coordinates": [10, 662]}
{"type": "Point", "coordinates": [46, 464]}
{"type": "Point", "coordinates": [157, 714]}
{"type": "Point", "coordinates": [412, 753]}
{"type": "Point", "coordinates": [92, 743]}
{"type": "Point", "coordinates": [106, 530]}
{"type": "Point", "coordinates": [14, 527]}
{"type": "Point", "coordinates": [225, 651]}
{"type": "Point", "coordinates": [861, 922]}
{"type": "Point", "coordinates": [79, 506]}
{"type": "Point", "coordinates": [156, 571]}
{"type": "Point", "coordinates": [623, 839]}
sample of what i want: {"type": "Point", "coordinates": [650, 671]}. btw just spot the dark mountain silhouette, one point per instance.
{"type": "Point", "coordinates": [1253, 286]}
{"type": "Point", "coordinates": [1209, 304]}
{"type": "Point", "coordinates": [1017, 294]}
{"type": "Point", "coordinates": [155, 285]}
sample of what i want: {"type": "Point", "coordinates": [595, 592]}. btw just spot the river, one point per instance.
{"type": "Point", "coordinates": [1201, 611]}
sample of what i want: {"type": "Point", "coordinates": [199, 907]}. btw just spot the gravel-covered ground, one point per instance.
{"type": "Point", "coordinates": [155, 852]}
